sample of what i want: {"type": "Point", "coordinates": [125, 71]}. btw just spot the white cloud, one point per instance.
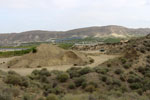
{"type": "Point", "coordinates": [74, 13]}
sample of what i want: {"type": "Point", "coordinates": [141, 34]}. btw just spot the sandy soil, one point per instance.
{"type": "Point", "coordinates": [3, 61]}
{"type": "Point", "coordinates": [98, 59]}
{"type": "Point", "coordinates": [50, 55]}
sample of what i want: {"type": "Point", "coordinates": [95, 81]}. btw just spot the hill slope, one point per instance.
{"type": "Point", "coordinates": [38, 36]}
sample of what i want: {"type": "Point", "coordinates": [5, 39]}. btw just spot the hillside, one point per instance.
{"type": "Point", "coordinates": [126, 77]}
{"type": "Point", "coordinates": [42, 36]}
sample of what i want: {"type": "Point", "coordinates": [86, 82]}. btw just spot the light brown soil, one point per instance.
{"type": "Point", "coordinates": [49, 55]}
{"type": "Point", "coordinates": [99, 59]}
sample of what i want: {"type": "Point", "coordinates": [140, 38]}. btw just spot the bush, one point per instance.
{"type": "Point", "coordinates": [41, 98]}
{"type": "Point", "coordinates": [141, 69]}
{"type": "Point", "coordinates": [127, 66]}
{"type": "Point", "coordinates": [91, 61]}
{"type": "Point", "coordinates": [13, 79]}
{"type": "Point", "coordinates": [122, 77]}
{"type": "Point", "coordinates": [16, 79]}
{"type": "Point", "coordinates": [34, 50]}
{"type": "Point", "coordinates": [85, 70]}
{"type": "Point", "coordinates": [72, 86]}
{"type": "Point", "coordinates": [44, 72]}
{"type": "Point", "coordinates": [93, 83]}
{"type": "Point", "coordinates": [27, 97]}
{"type": "Point", "coordinates": [57, 90]}
{"type": "Point", "coordinates": [133, 79]}
{"type": "Point", "coordinates": [84, 84]}
{"type": "Point", "coordinates": [123, 60]}
{"type": "Point", "coordinates": [108, 65]}
{"type": "Point", "coordinates": [90, 88]}
{"type": "Point", "coordinates": [118, 71]}
{"type": "Point", "coordinates": [52, 97]}
{"type": "Point", "coordinates": [79, 81]}
{"type": "Point", "coordinates": [74, 72]}
{"type": "Point", "coordinates": [63, 77]}
{"type": "Point", "coordinates": [104, 78]}
{"type": "Point", "coordinates": [5, 94]}
{"type": "Point", "coordinates": [101, 70]}
{"type": "Point", "coordinates": [116, 82]}
{"type": "Point", "coordinates": [135, 86]}
{"type": "Point", "coordinates": [35, 72]}
{"type": "Point", "coordinates": [146, 84]}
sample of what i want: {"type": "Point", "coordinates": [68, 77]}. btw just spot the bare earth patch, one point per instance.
{"type": "Point", "coordinates": [101, 58]}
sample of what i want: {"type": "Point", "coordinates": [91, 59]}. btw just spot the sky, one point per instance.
{"type": "Point", "coordinates": [61, 15]}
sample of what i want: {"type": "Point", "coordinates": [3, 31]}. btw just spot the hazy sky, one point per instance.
{"type": "Point", "coordinates": [23, 15]}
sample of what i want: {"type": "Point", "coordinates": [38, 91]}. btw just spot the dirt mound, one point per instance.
{"type": "Point", "coordinates": [50, 55]}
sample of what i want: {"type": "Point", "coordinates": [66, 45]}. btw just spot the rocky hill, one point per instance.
{"type": "Point", "coordinates": [104, 31]}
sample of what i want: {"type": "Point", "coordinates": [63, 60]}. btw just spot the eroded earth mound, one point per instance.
{"type": "Point", "coordinates": [50, 55]}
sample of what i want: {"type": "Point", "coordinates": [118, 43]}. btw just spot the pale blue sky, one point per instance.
{"type": "Point", "coordinates": [24, 15]}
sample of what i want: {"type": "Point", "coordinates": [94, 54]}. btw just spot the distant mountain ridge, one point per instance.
{"type": "Point", "coordinates": [42, 36]}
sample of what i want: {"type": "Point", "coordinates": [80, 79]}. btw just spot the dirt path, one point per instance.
{"type": "Point", "coordinates": [99, 59]}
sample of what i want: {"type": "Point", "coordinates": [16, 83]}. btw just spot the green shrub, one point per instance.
{"type": "Point", "coordinates": [90, 88]}
{"type": "Point", "coordinates": [63, 77]}
{"type": "Point", "coordinates": [116, 82]}
{"type": "Point", "coordinates": [35, 72]}
{"type": "Point", "coordinates": [13, 79]}
{"type": "Point", "coordinates": [15, 53]}
{"type": "Point", "coordinates": [109, 81]}
{"type": "Point", "coordinates": [16, 79]}
{"type": "Point", "coordinates": [34, 50]}
{"type": "Point", "coordinates": [84, 84]}
{"type": "Point", "coordinates": [122, 77]}
{"type": "Point", "coordinates": [101, 70]}
{"type": "Point", "coordinates": [93, 83]}
{"type": "Point", "coordinates": [146, 84]}
{"type": "Point", "coordinates": [65, 45]}
{"type": "Point", "coordinates": [41, 98]}
{"type": "Point", "coordinates": [79, 81]}
{"type": "Point", "coordinates": [44, 79]}
{"type": "Point", "coordinates": [104, 78]}
{"type": "Point", "coordinates": [141, 69]}
{"type": "Point", "coordinates": [72, 85]}
{"type": "Point", "coordinates": [85, 70]}
{"type": "Point", "coordinates": [27, 97]}
{"type": "Point", "coordinates": [147, 74]}
{"type": "Point", "coordinates": [91, 61]}
{"type": "Point", "coordinates": [109, 65]}
{"type": "Point", "coordinates": [118, 71]}
{"type": "Point", "coordinates": [123, 88]}
{"type": "Point", "coordinates": [133, 79]}
{"type": "Point", "coordinates": [44, 72]}
{"type": "Point", "coordinates": [127, 66]}
{"type": "Point", "coordinates": [135, 86]}
{"type": "Point", "coordinates": [52, 97]}
{"type": "Point", "coordinates": [5, 94]}
{"type": "Point", "coordinates": [74, 72]}
{"type": "Point", "coordinates": [123, 60]}
{"type": "Point", "coordinates": [57, 90]}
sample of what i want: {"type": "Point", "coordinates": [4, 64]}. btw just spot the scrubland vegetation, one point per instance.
{"type": "Point", "coordinates": [123, 78]}
{"type": "Point", "coordinates": [99, 83]}
{"type": "Point", "coordinates": [17, 53]}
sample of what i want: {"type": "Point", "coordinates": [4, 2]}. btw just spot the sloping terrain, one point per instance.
{"type": "Point", "coordinates": [123, 78]}
{"type": "Point", "coordinates": [50, 55]}
{"type": "Point", "coordinates": [42, 36]}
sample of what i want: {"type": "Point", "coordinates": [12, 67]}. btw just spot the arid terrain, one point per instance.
{"type": "Point", "coordinates": [95, 55]}
{"type": "Point", "coordinates": [46, 36]}
{"type": "Point", "coordinates": [110, 71]}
